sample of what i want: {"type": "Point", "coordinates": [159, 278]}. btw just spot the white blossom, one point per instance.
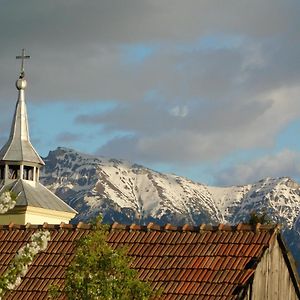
{"type": "Point", "coordinates": [23, 258]}
{"type": "Point", "coordinates": [7, 202]}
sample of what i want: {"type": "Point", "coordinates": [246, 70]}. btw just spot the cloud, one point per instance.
{"type": "Point", "coordinates": [179, 111]}
{"type": "Point", "coordinates": [77, 46]}
{"type": "Point", "coordinates": [124, 147]}
{"type": "Point", "coordinates": [158, 135]}
{"type": "Point", "coordinates": [67, 137]}
{"type": "Point", "coordinates": [284, 163]}
{"type": "Point", "coordinates": [210, 78]}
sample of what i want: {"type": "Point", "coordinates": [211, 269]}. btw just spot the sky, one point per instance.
{"type": "Point", "coordinates": [206, 89]}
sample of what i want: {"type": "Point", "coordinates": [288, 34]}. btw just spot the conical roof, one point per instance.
{"type": "Point", "coordinates": [18, 147]}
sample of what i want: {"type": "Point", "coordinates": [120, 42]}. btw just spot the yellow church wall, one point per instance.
{"type": "Point", "coordinates": [36, 216]}
{"type": "Point", "coordinates": [15, 218]}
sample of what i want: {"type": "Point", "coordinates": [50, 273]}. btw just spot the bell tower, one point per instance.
{"type": "Point", "coordinates": [18, 158]}
{"type": "Point", "coordinates": [20, 166]}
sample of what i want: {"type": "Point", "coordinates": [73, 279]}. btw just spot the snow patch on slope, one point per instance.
{"type": "Point", "coordinates": [97, 184]}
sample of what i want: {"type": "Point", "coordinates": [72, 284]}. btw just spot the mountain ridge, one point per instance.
{"type": "Point", "coordinates": [130, 193]}
{"type": "Point", "coordinates": [81, 178]}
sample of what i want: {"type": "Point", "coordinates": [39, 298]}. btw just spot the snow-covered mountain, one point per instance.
{"type": "Point", "coordinates": [127, 193]}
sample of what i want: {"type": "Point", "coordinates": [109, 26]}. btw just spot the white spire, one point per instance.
{"type": "Point", "coordinates": [18, 147]}
{"type": "Point", "coordinates": [19, 172]}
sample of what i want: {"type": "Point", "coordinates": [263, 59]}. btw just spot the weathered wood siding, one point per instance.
{"type": "Point", "coordinates": [272, 279]}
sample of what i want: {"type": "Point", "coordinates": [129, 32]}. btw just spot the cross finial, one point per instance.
{"type": "Point", "coordinates": [22, 57]}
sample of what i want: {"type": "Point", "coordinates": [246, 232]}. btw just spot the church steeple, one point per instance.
{"type": "Point", "coordinates": [18, 150]}
{"type": "Point", "coordinates": [19, 172]}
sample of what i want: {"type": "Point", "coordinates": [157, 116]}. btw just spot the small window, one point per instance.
{"type": "Point", "coordinates": [13, 172]}
{"type": "Point", "coordinates": [28, 173]}
{"type": "Point", "coordinates": [2, 172]}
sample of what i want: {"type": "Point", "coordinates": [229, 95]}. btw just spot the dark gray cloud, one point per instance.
{"type": "Point", "coordinates": [67, 137]}
{"type": "Point", "coordinates": [128, 150]}
{"type": "Point", "coordinates": [75, 44]}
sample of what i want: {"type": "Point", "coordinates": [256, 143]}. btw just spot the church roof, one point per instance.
{"type": "Point", "coordinates": [18, 147]}
{"type": "Point", "coordinates": [202, 262]}
{"type": "Point", "coordinates": [36, 195]}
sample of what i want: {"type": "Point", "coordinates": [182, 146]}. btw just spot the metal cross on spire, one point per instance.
{"type": "Point", "coordinates": [23, 56]}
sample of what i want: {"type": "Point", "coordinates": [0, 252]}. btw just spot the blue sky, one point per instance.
{"type": "Point", "coordinates": [204, 89]}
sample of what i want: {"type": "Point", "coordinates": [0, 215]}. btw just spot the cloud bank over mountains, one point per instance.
{"type": "Point", "coordinates": [190, 82]}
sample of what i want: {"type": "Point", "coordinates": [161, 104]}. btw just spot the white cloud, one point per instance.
{"type": "Point", "coordinates": [284, 163]}
{"type": "Point", "coordinates": [179, 111]}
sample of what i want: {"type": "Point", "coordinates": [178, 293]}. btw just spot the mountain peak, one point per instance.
{"type": "Point", "coordinates": [109, 185]}
{"type": "Point", "coordinates": [130, 193]}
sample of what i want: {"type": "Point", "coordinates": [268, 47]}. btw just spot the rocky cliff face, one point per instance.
{"type": "Point", "coordinates": [127, 193]}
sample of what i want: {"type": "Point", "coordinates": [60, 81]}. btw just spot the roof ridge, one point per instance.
{"type": "Point", "coordinates": [202, 227]}
{"type": "Point", "coordinates": [45, 225]}
{"type": "Point", "coordinates": [274, 228]}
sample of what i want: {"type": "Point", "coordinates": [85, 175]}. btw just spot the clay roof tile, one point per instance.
{"type": "Point", "coordinates": [205, 262]}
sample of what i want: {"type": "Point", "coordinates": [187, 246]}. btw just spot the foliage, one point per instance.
{"type": "Point", "coordinates": [99, 272]}
{"type": "Point", "coordinates": [7, 201]}
{"type": "Point", "coordinates": [261, 218]}
{"type": "Point", "coordinates": [24, 257]}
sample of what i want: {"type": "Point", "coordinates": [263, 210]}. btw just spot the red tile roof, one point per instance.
{"type": "Point", "coordinates": [203, 262]}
